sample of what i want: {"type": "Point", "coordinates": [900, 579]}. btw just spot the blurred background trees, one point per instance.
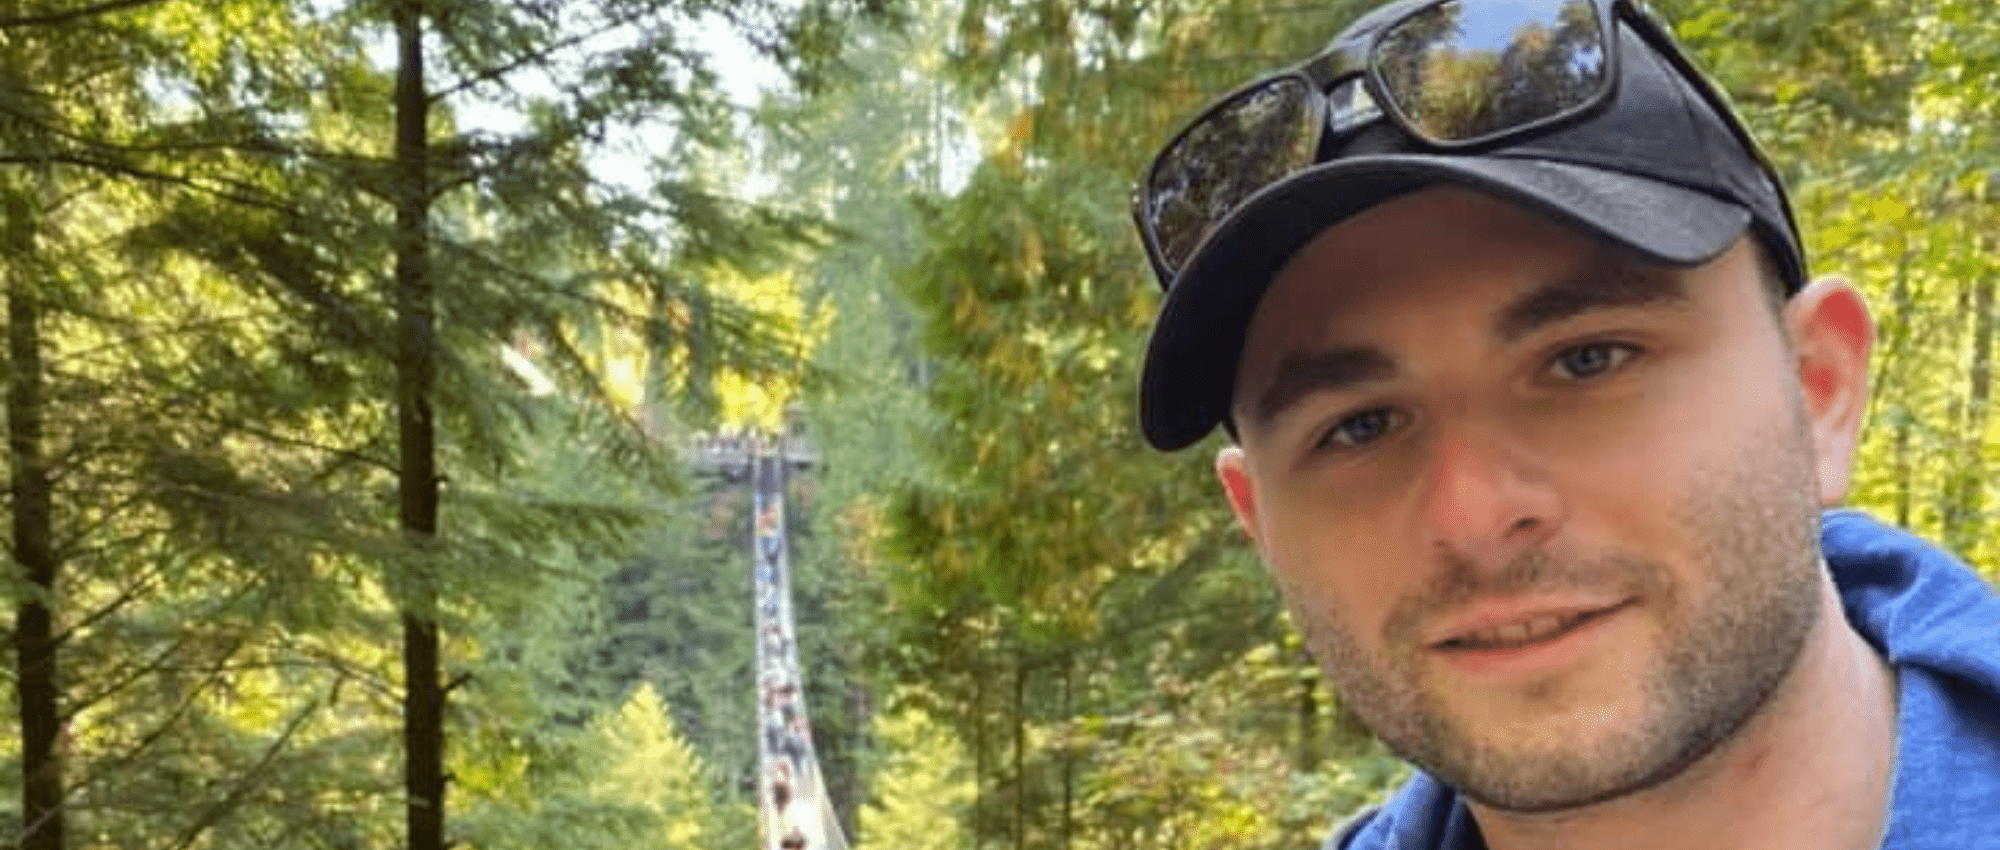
{"type": "Point", "coordinates": [330, 324]}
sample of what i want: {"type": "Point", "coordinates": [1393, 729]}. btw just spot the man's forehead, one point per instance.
{"type": "Point", "coordinates": [1340, 338]}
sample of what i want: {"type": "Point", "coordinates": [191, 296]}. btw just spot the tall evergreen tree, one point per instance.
{"type": "Point", "coordinates": [201, 343]}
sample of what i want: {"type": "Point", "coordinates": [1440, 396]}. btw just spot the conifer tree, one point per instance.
{"type": "Point", "coordinates": [923, 786]}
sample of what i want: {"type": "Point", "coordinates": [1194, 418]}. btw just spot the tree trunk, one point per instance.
{"type": "Point", "coordinates": [1951, 517]}
{"type": "Point", "coordinates": [36, 685]}
{"type": "Point", "coordinates": [1020, 747]}
{"type": "Point", "coordinates": [1905, 407]}
{"type": "Point", "coordinates": [1068, 752]}
{"type": "Point", "coordinates": [982, 764]}
{"type": "Point", "coordinates": [1972, 472]}
{"type": "Point", "coordinates": [1306, 758]}
{"type": "Point", "coordinates": [423, 693]}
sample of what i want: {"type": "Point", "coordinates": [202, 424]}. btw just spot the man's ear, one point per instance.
{"type": "Point", "coordinates": [1831, 338]}
{"type": "Point", "coordinates": [1229, 466]}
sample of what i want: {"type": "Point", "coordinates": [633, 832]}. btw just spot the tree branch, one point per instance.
{"type": "Point", "coordinates": [103, 165]}
{"type": "Point", "coordinates": [244, 783]}
{"type": "Point", "coordinates": [147, 741]}
{"type": "Point", "coordinates": [131, 593]}
{"type": "Point", "coordinates": [49, 19]}
{"type": "Point", "coordinates": [156, 663]}
{"type": "Point", "coordinates": [493, 74]}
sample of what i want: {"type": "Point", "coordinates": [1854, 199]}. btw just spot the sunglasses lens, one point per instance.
{"type": "Point", "coordinates": [1468, 69]}
{"type": "Point", "coordinates": [1259, 137]}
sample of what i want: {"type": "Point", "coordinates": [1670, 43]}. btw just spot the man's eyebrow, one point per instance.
{"type": "Point", "coordinates": [1302, 372]}
{"type": "Point", "coordinates": [1603, 285]}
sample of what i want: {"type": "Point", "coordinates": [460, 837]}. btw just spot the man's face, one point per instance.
{"type": "Point", "coordinates": [1547, 516]}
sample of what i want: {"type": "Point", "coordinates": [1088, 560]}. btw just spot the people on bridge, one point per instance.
{"type": "Point", "coordinates": [1543, 430]}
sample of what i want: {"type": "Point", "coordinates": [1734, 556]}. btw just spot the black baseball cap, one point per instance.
{"type": "Point", "coordinates": [1657, 172]}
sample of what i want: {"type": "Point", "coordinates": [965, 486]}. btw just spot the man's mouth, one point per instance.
{"type": "Point", "coordinates": [1515, 635]}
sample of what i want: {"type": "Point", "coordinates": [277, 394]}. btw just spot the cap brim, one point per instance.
{"type": "Point", "coordinates": [1192, 357]}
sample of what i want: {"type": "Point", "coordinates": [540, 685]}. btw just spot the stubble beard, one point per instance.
{"type": "Point", "coordinates": [1723, 647]}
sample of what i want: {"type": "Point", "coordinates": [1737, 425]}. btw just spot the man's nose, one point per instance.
{"type": "Point", "coordinates": [1486, 499]}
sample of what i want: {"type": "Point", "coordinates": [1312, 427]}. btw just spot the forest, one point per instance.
{"type": "Point", "coordinates": [353, 349]}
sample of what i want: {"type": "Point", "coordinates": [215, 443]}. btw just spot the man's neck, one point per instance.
{"type": "Point", "coordinates": [1811, 770]}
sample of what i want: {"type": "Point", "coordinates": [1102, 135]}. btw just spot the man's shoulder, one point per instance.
{"type": "Point", "coordinates": [1423, 815]}
{"type": "Point", "coordinates": [1938, 623]}
{"type": "Point", "coordinates": [1343, 835]}
{"type": "Point", "coordinates": [1919, 605]}
{"type": "Point", "coordinates": [1947, 775]}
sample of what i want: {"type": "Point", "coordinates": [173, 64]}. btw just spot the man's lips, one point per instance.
{"type": "Point", "coordinates": [1516, 623]}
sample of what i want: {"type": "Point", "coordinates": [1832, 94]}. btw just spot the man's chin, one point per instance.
{"type": "Point", "coordinates": [1559, 762]}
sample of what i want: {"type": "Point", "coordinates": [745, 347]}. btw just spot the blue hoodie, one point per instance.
{"type": "Point", "coordinates": [1932, 617]}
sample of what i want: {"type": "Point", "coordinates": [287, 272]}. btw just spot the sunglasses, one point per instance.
{"type": "Point", "coordinates": [1454, 75]}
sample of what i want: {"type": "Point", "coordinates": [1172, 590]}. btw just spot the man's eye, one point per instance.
{"type": "Point", "coordinates": [1361, 428]}
{"type": "Point", "coordinates": [1588, 361]}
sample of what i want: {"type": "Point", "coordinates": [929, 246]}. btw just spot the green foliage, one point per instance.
{"type": "Point", "coordinates": [641, 760]}
{"type": "Point", "coordinates": [1209, 762]}
{"type": "Point", "coordinates": [923, 786]}
{"type": "Point", "coordinates": [627, 780]}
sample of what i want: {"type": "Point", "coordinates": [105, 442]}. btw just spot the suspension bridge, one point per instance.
{"type": "Point", "coordinates": [794, 811]}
